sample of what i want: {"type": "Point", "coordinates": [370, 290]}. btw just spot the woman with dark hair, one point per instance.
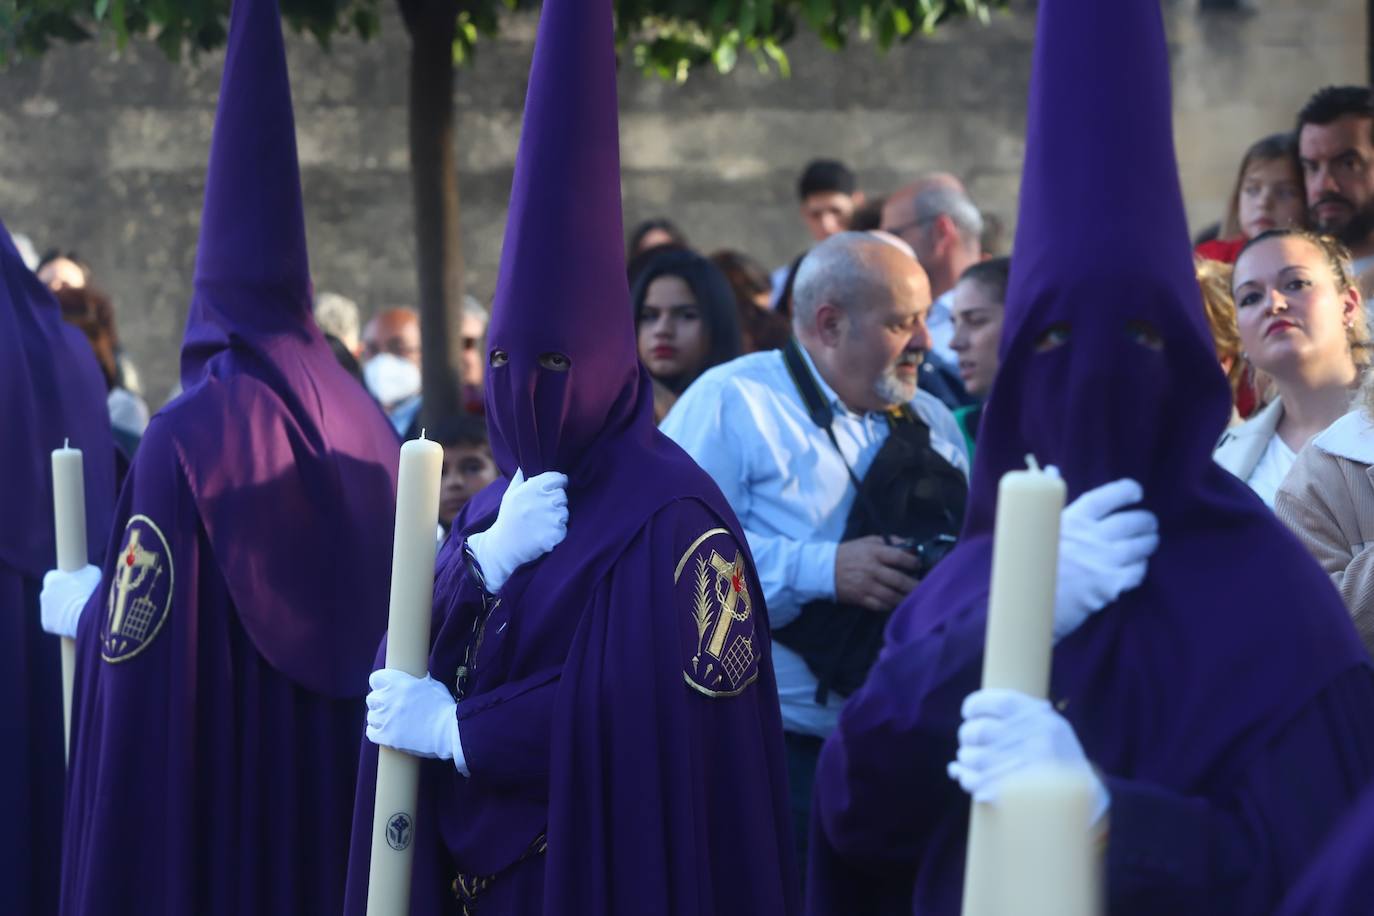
{"type": "Point", "coordinates": [654, 233]}
{"type": "Point", "coordinates": [90, 310]}
{"type": "Point", "coordinates": [760, 327]}
{"type": "Point", "coordinates": [685, 313]}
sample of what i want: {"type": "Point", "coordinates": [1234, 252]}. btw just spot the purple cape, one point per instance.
{"type": "Point", "coordinates": [1176, 690]}
{"type": "Point", "coordinates": [289, 454]}
{"type": "Point", "coordinates": [51, 390]}
{"type": "Point", "coordinates": [204, 780]}
{"type": "Point", "coordinates": [223, 659]}
{"type": "Point", "coordinates": [621, 722]}
{"type": "Point", "coordinates": [1341, 878]}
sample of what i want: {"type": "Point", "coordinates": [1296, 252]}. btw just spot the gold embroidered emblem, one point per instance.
{"type": "Point", "coordinates": [720, 609]}
{"type": "Point", "coordinates": [140, 593]}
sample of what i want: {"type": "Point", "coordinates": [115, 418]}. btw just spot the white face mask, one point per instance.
{"type": "Point", "coordinates": [391, 379]}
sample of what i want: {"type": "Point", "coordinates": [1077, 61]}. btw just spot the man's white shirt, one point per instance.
{"type": "Point", "coordinates": [745, 423]}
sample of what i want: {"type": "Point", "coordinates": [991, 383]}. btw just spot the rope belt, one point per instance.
{"type": "Point", "coordinates": [467, 888]}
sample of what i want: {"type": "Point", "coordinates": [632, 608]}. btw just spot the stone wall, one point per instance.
{"type": "Point", "coordinates": [105, 152]}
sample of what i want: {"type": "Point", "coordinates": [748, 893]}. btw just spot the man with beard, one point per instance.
{"type": "Point", "coordinates": [838, 467]}
{"type": "Point", "coordinates": [1336, 147]}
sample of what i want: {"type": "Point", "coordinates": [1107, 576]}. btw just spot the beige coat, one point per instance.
{"type": "Point", "coordinates": [1328, 501]}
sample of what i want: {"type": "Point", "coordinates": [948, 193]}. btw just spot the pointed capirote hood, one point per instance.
{"type": "Point", "coordinates": [1108, 371]}
{"type": "Point", "coordinates": [1108, 367]}
{"type": "Point", "coordinates": [561, 290]}
{"type": "Point", "coordinates": [291, 463]}
{"type": "Point", "coordinates": [51, 392]}
{"type": "Point", "coordinates": [252, 275]}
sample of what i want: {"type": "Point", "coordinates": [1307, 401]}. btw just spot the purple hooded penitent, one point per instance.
{"type": "Point", "coordinates": [619, 714]}
{"type": "Point", "coordinates": [223, 659]}
{"type": "Point", "coordinates": [1233, 673]}
{"type": "Point", "coordinates": [51, 392]}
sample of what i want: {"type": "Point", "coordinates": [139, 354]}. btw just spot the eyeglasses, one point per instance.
{"type": "Point", "coordinates": [902, 229]}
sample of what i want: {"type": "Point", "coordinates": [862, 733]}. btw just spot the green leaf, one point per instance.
{"type": "Point", "coordinates": [726, 55]}
{"type": "Point", "coordinates": [765, 16]}
{"type": "Point", "coordinates": [720, 14]}
{"type": "Point", "coordinates": [901, 19]}
{"type": "Point", "coordinates": [748, 18]}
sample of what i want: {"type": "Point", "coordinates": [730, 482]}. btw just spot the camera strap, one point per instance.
{"type": "Point", "coordinates": [823, 416]}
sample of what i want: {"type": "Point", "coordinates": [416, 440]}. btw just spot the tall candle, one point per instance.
{"type": "Point", "coordinates": [69, 526]}
{"type": "Point", "coordinates": [1047, 846]}
{"type": "Point", "coordinates": [407, 649]}
{"type": "Point", "coordinates": [1016, 654]}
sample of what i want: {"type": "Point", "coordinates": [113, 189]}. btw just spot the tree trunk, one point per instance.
{"type": "Point", "coordinates": [434, 184]}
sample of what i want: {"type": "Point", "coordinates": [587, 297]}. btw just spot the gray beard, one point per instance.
{"type": "Point", "coordinates": [892, 389]}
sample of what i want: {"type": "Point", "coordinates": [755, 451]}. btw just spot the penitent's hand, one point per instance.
{"type": "Point", "coordinates": [1104, 550]}
{"type": "Point", "coordinates": [64, 596]}
{"type": "Point", "coordinates": [1006, 733]}
{"type": "Point", "coordinates": [416, 715]}
{"type": "Point", "coordinates": [871, 574]}
{"type": "Point", "coordinates": [532, 520]}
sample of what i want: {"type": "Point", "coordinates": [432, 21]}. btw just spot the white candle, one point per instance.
{"type": "Point", "coordinates": [69, 526]}
{"type": "Point", "coordinates": [1047, 846]}
{"type": "Point", "coordinates": [407, 649]}
{"type": "Point", "coordinates": [69, 508]}
{"type": "Point", "coordinates": [1016, 654]}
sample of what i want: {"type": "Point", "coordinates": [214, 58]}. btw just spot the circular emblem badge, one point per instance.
{"type": "Point", "coordinates": [399, 831]}
{"type": "Point", "coordinates": [140, 593]}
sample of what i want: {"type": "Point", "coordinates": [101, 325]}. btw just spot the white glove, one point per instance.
{"type": "Point", "coordinates": [532, 520]}
{"type": "Point", "coordinates": [1103, 551]}
{"type": "Point", "coordinates": [1006, 732]}
{"type": "Point", "coordinates": [416, 715]}
{"type": "Point", "coordinates": [63, 597]}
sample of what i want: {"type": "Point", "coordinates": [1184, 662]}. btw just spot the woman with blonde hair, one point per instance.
{"type": "Point", "coordinates": [1302, 323]}
{"type": "Point", "coordinates": [1268, 194]}
{"type": "Point", "coordinates": [1328, 501]}
{"type": "Point", "coordinates": [1214, 278]}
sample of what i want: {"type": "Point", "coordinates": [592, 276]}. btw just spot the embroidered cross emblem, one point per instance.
{"type": "Point", "coordinates": [137, 564]}
{"type": "Point", "coordinates": [731, 576]}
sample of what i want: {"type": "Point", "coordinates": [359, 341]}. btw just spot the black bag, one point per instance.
{"type": "Point", "coordinates": [911, 496]}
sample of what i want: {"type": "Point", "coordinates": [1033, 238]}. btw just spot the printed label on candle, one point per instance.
{"type": "Point", "coordinates": [399, 830]}
{"type": "Point", "coordinates": [140, 594]}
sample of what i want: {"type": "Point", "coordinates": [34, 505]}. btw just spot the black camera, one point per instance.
{"type": "Point", "coordinates": [929, 552]}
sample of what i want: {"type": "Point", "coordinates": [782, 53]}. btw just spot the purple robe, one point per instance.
{"type": "Point", "coordinates": [224, 657]}
{"type": "Point", "coordinates": [619, 715]}
{"type": "Point", "coordinates": [51, 390]}
{"type": "Point", "coordinates": [1227, 701]}
{"type": "Point", "coordinates": [206, 780]}
{"type": "Point", "coordinates": [583, 728]}
{"type": "Point", "coordinates": [1341, 878]}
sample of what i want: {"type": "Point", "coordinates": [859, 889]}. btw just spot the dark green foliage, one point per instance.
{"type": "Point", "coordinates": [664, 37]}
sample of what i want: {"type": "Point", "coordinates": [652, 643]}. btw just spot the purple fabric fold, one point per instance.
{"type": "Point", "coordinates": [285, 447]}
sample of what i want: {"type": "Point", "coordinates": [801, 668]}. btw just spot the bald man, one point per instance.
{"type": "Point", "coordinates": [391, 366]}
{"type": "Point", "coordinates": [785, 433]}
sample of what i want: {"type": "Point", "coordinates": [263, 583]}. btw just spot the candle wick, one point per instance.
{"type": "Point", "coordinates": [1032, 463]}
{"type": "Point", "coordinates": [422, 432]}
